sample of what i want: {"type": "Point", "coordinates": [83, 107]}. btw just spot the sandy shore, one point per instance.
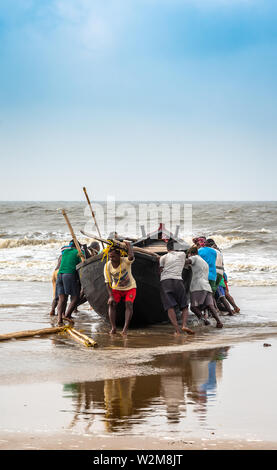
{"type": "Point", "coordinates": [80, 442]}
{"type": "Point", "coordinates": [152, 393]}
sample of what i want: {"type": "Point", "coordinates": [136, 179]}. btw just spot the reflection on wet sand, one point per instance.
{"type": "Point", "coordinates": [187, 379]}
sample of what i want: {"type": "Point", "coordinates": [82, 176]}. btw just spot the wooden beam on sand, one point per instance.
{"type": "Point", "coordinates": [32, 333]}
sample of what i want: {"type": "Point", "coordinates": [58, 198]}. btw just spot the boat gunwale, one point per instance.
{"type": "Point", "coordinates": [93, 259]}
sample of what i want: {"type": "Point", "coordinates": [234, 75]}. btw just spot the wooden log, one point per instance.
{"type": "Point", "coordinates": [81, 338]}
{"type": "Point", "coordinates": [32, 333]}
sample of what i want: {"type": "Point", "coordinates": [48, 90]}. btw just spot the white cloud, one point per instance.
{"type": "Point", "coordinates": [95, 24]}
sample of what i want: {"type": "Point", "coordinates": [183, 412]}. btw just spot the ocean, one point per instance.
{"type": "Point", "coordinates": [32, 233]}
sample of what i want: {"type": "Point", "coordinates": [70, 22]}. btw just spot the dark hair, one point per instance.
{"type": "Point", "coordinates": [210, 242]}
{"type": "Point", "coordinates": [94, 246]}
{"type": "Point", "coordinates": [170, 244]}
{"type": "Point", "coordinates": [193, 250]}
{"type": "Point", "coordinates": [115, 248]}
{"type": "Point", "coordinates": [72, 243]}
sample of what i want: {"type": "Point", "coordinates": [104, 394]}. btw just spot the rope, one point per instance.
{"type": "Point", "coordinates": [106, 255]}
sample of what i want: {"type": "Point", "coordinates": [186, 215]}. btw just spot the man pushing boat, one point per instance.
{"type": "Point", "coordinates": [173, 293]}
{"type": "Point", "coordinates": [120, 283]}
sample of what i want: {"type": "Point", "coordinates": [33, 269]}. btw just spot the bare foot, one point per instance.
{"type": "Point", "coordinates": [177, 333]}
{"type": "Point", "coordinates": [124, 333]}
{"type": "Point", "coordinates": [113, 331]}
{"type": "Point", "coordinates": [236, 309]}
{"type": "Point", "coordinates": [219, 325]}
{"type": "Point", "coordinates": [69, 319]}
{"type": "Point", "coordinates": [206, 322]}
{"type": "Point", "coordinates": [52, 314]}
{"type": "Point", "coordinates": [188, 330]}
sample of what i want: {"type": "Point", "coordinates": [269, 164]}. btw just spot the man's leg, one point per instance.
{"type": "Point", "coordinates": [61, 307]}
{"type": "Point", "coordinates": [198, 312]}
{"type": "Point", "coordinates": [73, 302]}
{"type": "Point", "coordinates": [128, 316]}
{"type": "Point", "coordinates": [81, 301]}
{"type": "Point", "coordinates": [53, 306]}
{"type": "Point", "coordinates": [232, 302]}
{"type": "Point", "coordinates": [216, 317]}
{"type": "Point", "coordinates": [185, 312]}
{"type": "Point", "coordinates": [226, 305]}
{"type": "Point", "coordinates": [172, 317]}
{"type": "Point", "coordinates": [112, 317]}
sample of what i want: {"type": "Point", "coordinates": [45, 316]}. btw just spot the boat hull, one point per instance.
{"type": "Point", "coordinates": [148, 307]}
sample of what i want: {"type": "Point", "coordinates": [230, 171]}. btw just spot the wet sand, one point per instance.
{"type": "Point", "coordinates": [62, 442]}
{"type": "Point", "coordinates": [152, 391]}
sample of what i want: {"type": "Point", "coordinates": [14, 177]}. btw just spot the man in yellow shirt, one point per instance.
{"type": "Point", "coordinates": [120, 284]}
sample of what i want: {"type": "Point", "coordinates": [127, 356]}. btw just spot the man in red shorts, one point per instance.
{"type": "Point", "coordinates": [120, 284]}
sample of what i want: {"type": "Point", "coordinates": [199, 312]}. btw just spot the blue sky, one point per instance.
{"type": "Point", "coordinates": [138, 99]}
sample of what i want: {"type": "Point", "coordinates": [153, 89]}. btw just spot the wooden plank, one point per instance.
{"type": "Point", "coordinates": [32, 333]}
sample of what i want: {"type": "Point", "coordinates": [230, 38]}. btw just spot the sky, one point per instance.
{"type": "Point", "coordinates": [138, 99]}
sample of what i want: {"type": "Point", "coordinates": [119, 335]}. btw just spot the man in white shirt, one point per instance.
{"type": "Point", "coordinates": [173, 293]}
{"type": "Point", "coordinates": [201, 296]}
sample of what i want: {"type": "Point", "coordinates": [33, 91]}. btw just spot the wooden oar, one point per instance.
{"type": "Point", "coordinates": [120, 244]}
{"type": "Point", "coordinates": [92, 213]}
{"type": "Point", "coordinates": [73, 235]}
{"type": "Point", "coordinates": [32, 333]}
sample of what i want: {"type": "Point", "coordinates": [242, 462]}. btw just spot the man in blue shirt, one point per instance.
{"type": "Point", "coordinates": [209, 255]}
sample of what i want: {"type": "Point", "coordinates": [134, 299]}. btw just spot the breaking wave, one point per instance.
{"type": "Point", "coordinates": [16, 243]}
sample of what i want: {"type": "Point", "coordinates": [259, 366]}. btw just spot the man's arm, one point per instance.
{"type": "Point", "coordinates": [130, 250]}
{"type": "Point", "coordinates": [110, 292]}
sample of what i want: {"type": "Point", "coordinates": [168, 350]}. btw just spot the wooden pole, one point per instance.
{"type": "Point", "coordinates": [92, 213]}
{"type": "Point", "coordinates": [32, 333]}
{"type": "Point", "coordinates": [73, 235]}
{"type": "Point", "coordinates": [121, 245]}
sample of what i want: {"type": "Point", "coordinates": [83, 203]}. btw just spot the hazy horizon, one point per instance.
{"type": "Point", "coordinates": [142, 200]}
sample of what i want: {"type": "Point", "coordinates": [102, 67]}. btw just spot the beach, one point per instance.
{"type": "Point", "coordinates": [151, 390]}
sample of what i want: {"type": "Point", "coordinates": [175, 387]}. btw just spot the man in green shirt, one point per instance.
{"type": "Point", "coordinates": [68, 282]}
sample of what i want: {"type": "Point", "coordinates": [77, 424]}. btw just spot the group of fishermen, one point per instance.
{"type": "Point", "coordinates": [209, 293]}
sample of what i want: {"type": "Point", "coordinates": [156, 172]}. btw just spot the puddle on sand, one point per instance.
{"type": "Point", "coordinates": [207, 393]}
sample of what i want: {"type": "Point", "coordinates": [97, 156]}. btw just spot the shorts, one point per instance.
{"type": "Point", "coordinates": [68, 284]}
{"type": "Point", "coordinates": [173, 294]}
{"type": "Point", "coordinates": [213, 285]}
{"type": "Point", "coordinates": [126, 295]}
{"type": "Point", "coordinates": [220, 292]}
{"type": "Point", "coordinates": [201, 298]}
{"type": "Point", "coordinates": [218, 279]}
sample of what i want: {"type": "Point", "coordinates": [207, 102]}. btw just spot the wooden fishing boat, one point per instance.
{"type": "Point", "coordinates": [148, 308]}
